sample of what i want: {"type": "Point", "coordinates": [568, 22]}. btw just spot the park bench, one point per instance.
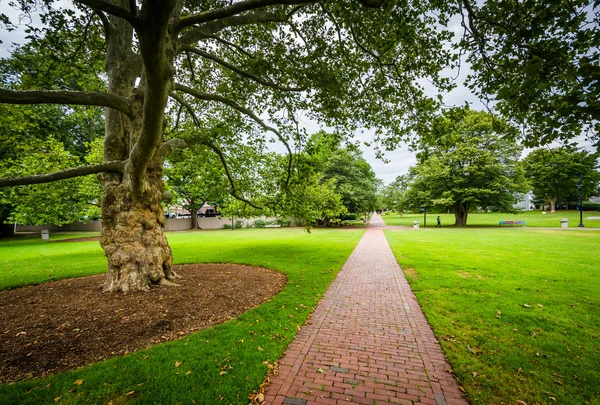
{"type": "Point", "coordinates": [511, 223]}
{"type": "Point", "coordinates": [272, 226]}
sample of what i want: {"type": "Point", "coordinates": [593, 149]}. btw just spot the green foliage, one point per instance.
{"type": "Point", "coordinates": [56, 203]}
{"type": "Point", "coordinates": [467, 160]}
{"type": "Point", "coordinates": [540, 61]}
{"type": "Point", "coordinates": [554, 173]}
{"type": "Point", "coordinates": [309, 261]}
{"type": "Point", "coordinates": [515, 310]}
{"type": "Point", "coordinates": [283, 222]}
{"type": "Point", "coordinates": [393, 196]}
{"type": "Point", "coordinates": [260, 223]}
{"type": "Point", "coordinates": [197, 177]}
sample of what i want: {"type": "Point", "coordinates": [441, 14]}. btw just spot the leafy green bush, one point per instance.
{"type": "Point", "coordinates": [239, 224]}
{"type": "Point", "coordinates": [260, 223]}
{"type": "Point", "coordinates": [349, 217]}
{"type": "Point", "coordinates": [284, 222]}
{"type": "Point", "coordinates": [226, 226]}
{"type": "Point", "coordinates": [590, 206]}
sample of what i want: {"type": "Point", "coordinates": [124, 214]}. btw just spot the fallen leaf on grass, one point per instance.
{"type": "Point", "coordinates": [57, 399]}
{"type": "Point", "coordinates": [130, 393]}
{"type": "Point", "coordinates": [260, 349]}
{"type": "Point", "coordinates": [521, 402]}
{"type": "Point", "coordinates": [177, 363]}
{"type": "Point", "coordinates": [527, 305]}
{"type": "Point", "coordinates": [78, 382]}
{"type": "Point", "coordinates": [223, 373]}
{"type": "Point", "coordinates": [558, 382]}
{"type": "Point", "coordinates": [189, 372]}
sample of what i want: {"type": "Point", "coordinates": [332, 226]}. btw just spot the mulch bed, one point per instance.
{"type": "Point", "coordinates": [63, 325]}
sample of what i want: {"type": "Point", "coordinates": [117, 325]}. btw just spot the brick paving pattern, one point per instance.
{"type": "Point", "coordinates": [367, 342]}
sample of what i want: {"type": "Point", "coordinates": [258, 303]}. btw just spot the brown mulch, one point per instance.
{"type": "Point", "coordinates": [63, 325]}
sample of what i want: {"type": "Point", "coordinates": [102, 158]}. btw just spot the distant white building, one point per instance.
{"type": "Point", "coordinates": [526, 202]}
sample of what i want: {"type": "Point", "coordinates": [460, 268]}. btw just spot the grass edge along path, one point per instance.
{"type": "Point", "coordinates": [517, 313]}
{"type": "Point", "coordinates": [222, 364]}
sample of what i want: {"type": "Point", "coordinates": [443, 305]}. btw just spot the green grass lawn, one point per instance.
{"type": "Point", "coordinates": [531, 218]}
{"type": "Point", "coordinates": [517, 311]}
{"type": "Point", "coordinates": [29, 260]}
{"type": "Point", "coordinates": [310, 262]}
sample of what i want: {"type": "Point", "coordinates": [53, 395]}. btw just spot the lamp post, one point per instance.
{"type": "Point", "coordinates": [424, 216]}
{"type": "Point", "coordinates": [580, 187]}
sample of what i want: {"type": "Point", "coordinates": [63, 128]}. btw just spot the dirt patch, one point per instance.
{"type": "Point", "coordinates": [410, 272]}
{"type": "Point", "coordinates": [63, 325]}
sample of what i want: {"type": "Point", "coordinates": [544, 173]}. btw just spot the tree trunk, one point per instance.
{"type": "Point", "coordinates": [194, 212]}
{"type": "Point", "coordinates": [461, 211]}
{"type": "Point", "coordinates": [132, 237]}
{"type": "Point", "coordinates": [6, 230]}
{"type": "Point", "coordinates": [552, 205]}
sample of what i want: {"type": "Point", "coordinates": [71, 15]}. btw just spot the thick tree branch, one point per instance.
{"type": "Point", "coordinates": [111, 9]}
{"type": "Point", "coordinates": [108, 27]}
{"type": "Point", "coordinates": [238, 70]}
{"type": "Point", "coordinates": [122, 104]}
{"type": "Point", "coordinates": [168, 147]}
{"type": "Point", "coordinates": [154, 51]}
{"type": "Point", "coordinates": [207, 30]}
{"type": "Point", "coordinates": [243, 110]}
{"type": "Point", "coordinates": [116, 166]}
{"type": "Point", "coordinates": [234, 9]}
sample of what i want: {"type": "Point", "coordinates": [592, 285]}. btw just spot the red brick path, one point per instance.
{"type": "Point", "coordinates": [367, 342]}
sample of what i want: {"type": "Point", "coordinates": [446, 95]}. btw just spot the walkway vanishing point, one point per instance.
{"type": "Point", "coordinates": [367, 342]}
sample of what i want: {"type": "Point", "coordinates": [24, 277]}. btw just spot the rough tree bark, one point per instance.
{"type": "Point", "coordinates": [133, 221]}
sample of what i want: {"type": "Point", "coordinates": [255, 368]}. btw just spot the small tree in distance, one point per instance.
{"type": "Point", "coordinates": [554, 174]}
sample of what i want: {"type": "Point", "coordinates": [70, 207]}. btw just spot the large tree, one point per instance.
{"type": "Point", "coordinates": [554, 174]}
{"type": "Point", "coordinates": [467, 160]}
{"type": "Point", "coordinates": [348, 64]}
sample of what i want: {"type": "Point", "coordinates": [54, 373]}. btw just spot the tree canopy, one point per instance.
{"type": "Point", "coordinates": [540, 62]}
{"type": "Point", "coordinates": [467, 161]}
{"type": "Point", "coordinates": [554, 174]}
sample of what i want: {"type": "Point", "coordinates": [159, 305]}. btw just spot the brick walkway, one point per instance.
{"type": "Point", "coordinates": [367, 342]}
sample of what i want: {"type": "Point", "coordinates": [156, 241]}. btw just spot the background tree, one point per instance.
{"type": "Point", "coordinates": [197, 178]}
{"type": "Point", "coordinates": [354, 179]}
{"type": "Point", "coordinates": [342, 63]}
{"type": "Point", "coordinates": [467, 160]}
{"type": "Point", "coordinates": [554, 173]}
{"type": "Point", "coordinates": [394, 194]}
{"type": "Point", "coordinates": [540, 61]}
